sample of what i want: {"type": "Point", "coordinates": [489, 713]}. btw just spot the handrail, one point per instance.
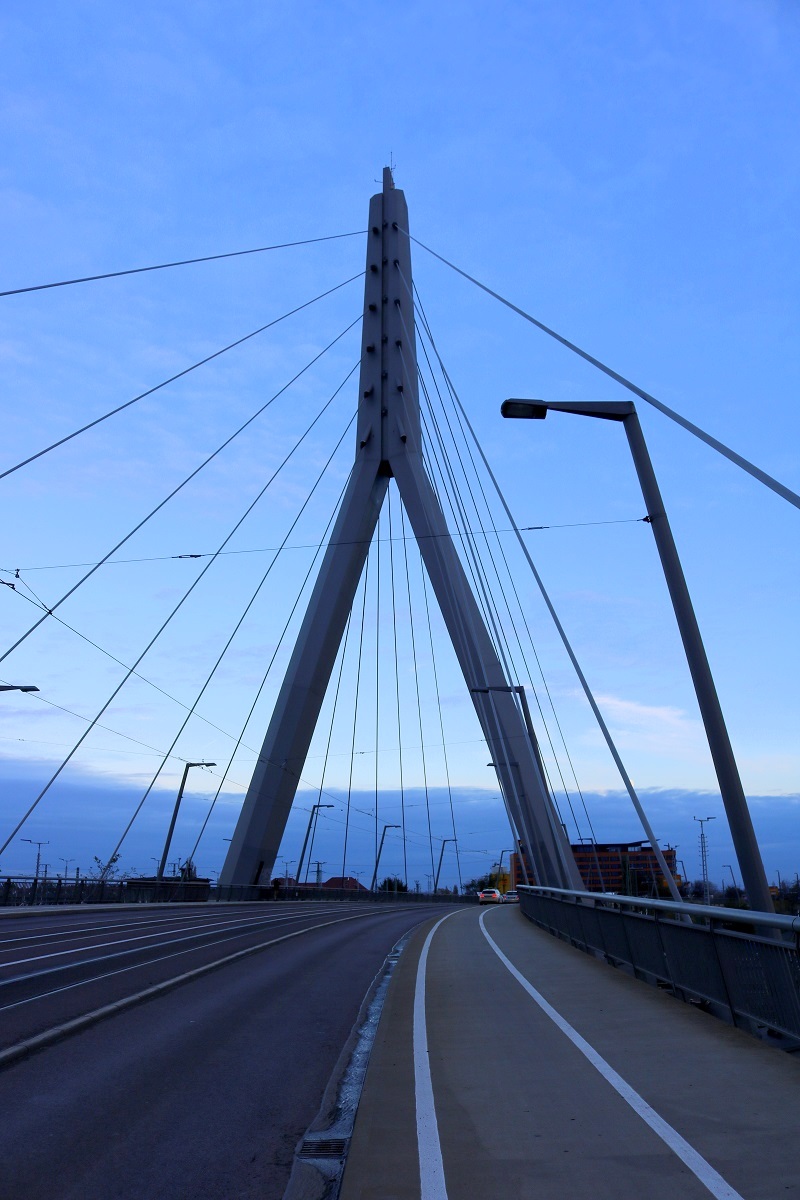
{"type": "Point", "coordinates": [744, 916]}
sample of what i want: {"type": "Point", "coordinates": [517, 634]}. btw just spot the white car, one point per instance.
{"type": "Point", "coordinates": [490, 896]}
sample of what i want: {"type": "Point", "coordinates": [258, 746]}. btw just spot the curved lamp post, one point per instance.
{"type": "Point", "coordinates": [739, 820]}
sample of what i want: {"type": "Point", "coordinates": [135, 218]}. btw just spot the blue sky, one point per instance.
{"type": "Point", "coordinates": [627, 174]}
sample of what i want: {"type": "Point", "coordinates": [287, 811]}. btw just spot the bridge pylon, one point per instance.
{"type": "Point", "coordinates": [389, 444]}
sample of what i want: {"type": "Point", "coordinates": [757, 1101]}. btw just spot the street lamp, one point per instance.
{"type": "Point", "coordinates": [314, 811]}
{"type": "Point", "coordinates": [18, 687]}
{"type": "Point", "coordinates": [378, 857]}
{"type": "Point", "coordinates": [439, 868]}
{"type": "Point", "coordinates": [170, 831]}
{"type": "Point", "coordinates": [739, 820]}
{"type": "Point", "coordinates": [728, 867]}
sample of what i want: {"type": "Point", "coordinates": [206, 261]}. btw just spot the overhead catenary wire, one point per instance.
{"type": "Point", "coordinates": [768, 480]}
{"type": "Point", "coordinates": [180, 375]}
{"type": "Point", "coordinates": [152, 642]}
{"type": "Point", "coordinates": [181, 262]}
{"type": "Point", "coordinates": [71, 591]}
{"type": "Point", "coordinates": [108, 654]}
{"type": "Point", "coordinates": [334, 707]}
{"type": "Point", "coordinates": [117, 562]}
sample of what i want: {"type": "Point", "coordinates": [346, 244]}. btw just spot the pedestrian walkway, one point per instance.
{"type": "Point", "coordinates": [507, 1064]}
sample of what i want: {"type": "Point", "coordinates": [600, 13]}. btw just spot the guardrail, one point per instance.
{"type": "Point", "coordinates": [742, 966]}
{"type": "Point", "coordinates": [25, 891]}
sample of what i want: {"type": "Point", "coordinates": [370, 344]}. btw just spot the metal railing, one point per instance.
{"type": "Point", "coordinates": [25, 891]}
{"type": "Point", "coordinates": [739, 965]}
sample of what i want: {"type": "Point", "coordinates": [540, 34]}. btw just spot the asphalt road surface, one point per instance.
{"type": "Point", "coordinates": [201, 1092]}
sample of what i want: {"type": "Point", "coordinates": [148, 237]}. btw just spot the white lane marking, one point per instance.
{"type": "Point", "coordinates": [710, 1179]}
{"type": "Point", "coordinates": [52, 936]}
{"type": "Point", "coordinates": [189, 931]}
{"type": "Point", "coordinates": [39, 1040]}
{"type": "Point", "coordinates": [431, 1167]}
{"type": "Point", "coordinates": [156, 961]}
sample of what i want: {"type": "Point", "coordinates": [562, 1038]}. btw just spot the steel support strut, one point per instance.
{"type": "Point", "coordinates": [389, 443]}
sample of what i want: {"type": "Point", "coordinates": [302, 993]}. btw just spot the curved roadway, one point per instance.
{"type": "Point", "coordinates": [204, 1089]}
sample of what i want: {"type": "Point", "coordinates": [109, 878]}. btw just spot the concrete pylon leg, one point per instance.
{"type": "Point", "coordinates": [257, 836]}
{"type": "Point", "coordinates": [388, 442]}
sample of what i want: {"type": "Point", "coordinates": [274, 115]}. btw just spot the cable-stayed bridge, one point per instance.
{"type": "Point", "coordinates": [400, 568]}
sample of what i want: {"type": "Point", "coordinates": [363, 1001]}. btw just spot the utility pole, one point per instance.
{"type": "Point", "coordinates": [171, 830]}
{"type": "Point", "coordinates": [704, 855]}
{"type": "Point", "coordinates": [38, 845]}
{"type": "Point", "coordinates": [319, 865]}
{"type": "Point", "coordinates": [378, 856]}
{"type": "Point", "coordinates": [314, 814]}
{"type": "Point", "coordinates": [439, 868]}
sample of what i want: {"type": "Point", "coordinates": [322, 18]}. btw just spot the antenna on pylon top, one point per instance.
{"type": "Point", "coordinates": [388, 180]}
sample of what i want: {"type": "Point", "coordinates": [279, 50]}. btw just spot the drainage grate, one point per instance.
{"type": "Point", "coordinates": [323, 1148]}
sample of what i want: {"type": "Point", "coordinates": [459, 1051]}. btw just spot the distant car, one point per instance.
{"type": "Point", "coordinates": [511, 898]}
{"type": "Point", "coordinates": [490, 896]}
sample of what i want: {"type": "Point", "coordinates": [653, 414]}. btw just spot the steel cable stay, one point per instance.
{"type": "Point", "coordinates": [528, 673]}
{"type": "Point", "coordinates": [493, 620]}
{"type": "Point", "coordinates": [448, 501]}
{"type": "Point", "coordinates": [482, 589]}
{"type": "Point", "coordinates": [492, 524]}
{"type": "Point", "coordinates": [180, 375]}
{"type": "Point", "coordinates": [71, 591]}
{"type": "Point", "coordinates": [108, 654]}
{"type": "Point", "coordinates": [480, 578]}
{"type": "Point", "coordinates": [182, 262]}
{"type": "Point", "coordinates": [239, 624]}
{"type": "Point", "coordinates": [240, 740]}
{"type": "Point", "coordinates": [460, 521]}
{"type": "Point", "coordinates": [423, 575]}
{"type": "Point", "coordinates": [416, 688]}
{"type": "Point", "coordinates": [377, 666]}
{"type": "Point", "coordinates": [355, 710]}
{"type": "Point", "coordinates": [528, 631]}
{"type": "Point", "coordinates": [626, 779]}
{"type": "Point", "coordinates": [397, 688]}
{"type": "Point", "coordinates": [155, 637]}
{"type": "Point", "coordinates": [517, 674]}
{"type": "Point", "coordinates": [496, 621]}
{"type": "Point", "coordinates": [98, 725]}
{"type": "Point", "coordinates": [768, 480]}
{"type": "Point", "coordinates": [334, 707]}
